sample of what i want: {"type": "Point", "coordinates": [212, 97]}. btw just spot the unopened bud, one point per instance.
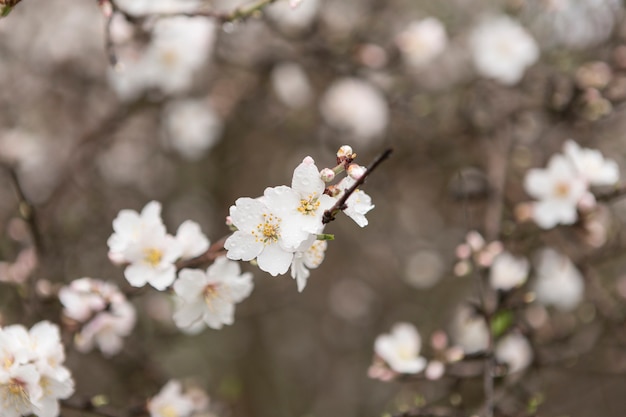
{"type": "Point", "coordinates": [327, 175]}
{"type": "Point", "coordinates": [356, 171]}
{"type": "Point", "coordinates": [345, 150]}
{"type": "Point", "coordinates": [229, 221]}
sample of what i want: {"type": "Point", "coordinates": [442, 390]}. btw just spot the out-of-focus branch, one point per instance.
{"type": "Point", "coordinates": [26, 210]}
{"type": "Point", "coordinates": [329, 215]}
{"type": "Point", "coordinates": [429, 412]}
{"type": "Point", "coordinates": [497, 163]}
{"type": "Point", "coordinates": [215, 251]}
{"type": "Point", "coordinates": [89, 408]}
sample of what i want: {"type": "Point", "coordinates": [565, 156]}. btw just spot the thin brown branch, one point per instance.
{"type": "Point", "coordinates": [215, 251]}
{"type": "Point", "coordinates": [26, 210]}
{"type": "Point", "coordinates": [329, 215]}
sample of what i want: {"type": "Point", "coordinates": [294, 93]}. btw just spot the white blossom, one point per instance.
{"type": "Point", "coordinates": [591, 165]}
{"type": "Point", "coordinates": [260, 233]}
{"type": "Point", "coordinates": [192, 127]}
{"type": "Point", "coordinates": [400, 349]}
{"type": "Point", "coordinates": [32, 375]}
{"type": "Point", "coordinates": [179, 46]}
{"type": "Point", "coordinates": [293, 19]}
{"type": "Point", "coordinates": [191, 240]}
{"type": "Point", "coordinates": [557, 281]}
{"type": "Point", "coordinates": [355, 107]}
{"type": "Point", "coordinates": [358, 204]}
{"type": "Point", "coordinates": [171, 402]}
{"type": "Point", "coordinates": [422, 41]}
{"type": "Point", "coordinates": [502, 49]}
{"type": "Point", "coordinates": [558, 188]}
{"type": "Point", "coordinates": [515, 351]}
{"type": "Point", "coordinates": [508, 272]}
{"type": "Point", "coordinates": [105, 314]}
{"type": "Point", "coordinates": [142, 241]}
{"type": "Point", "coordinates": [291, 85]}
{"type": "Point", "coordinates": [469, 331]}
{"type": "Point", "coordinates": [310, 257]}
{"type": "Point", "coordinates": [210, 297]}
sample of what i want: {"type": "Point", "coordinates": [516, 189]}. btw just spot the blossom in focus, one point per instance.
{"type": "Point", "coordinates": [508, 272]}
{"type": "Point", "coordinates": [192, 127]}
{"type": "Point", "coordinates": [171, 402]}
{"type": "Point", "coordinates": [310, 257]}
{"type": "Point", "coordinates": [356, 108]}
{"type": "Point", "coordinates": [591, 165]}
{"type": "Point", "coordinates": [400, 349]}
{"type": "Point", "coordinates": [191, 240]}
{"type": "Point", "coordinates": [103, 312]}
{"type": "Point", "coordinates": [142, 241]}
{"type": "Point", "coordinates": [502, 49]}
{"type": "Point", "coordinates": [557, 280]}
{"type": "Point", "coordinates": [210, 296]}
{"type": "Point", "coordinates": [358, 204]}
{"type": "Point", "coordinates": [422, 41]}
{"type": "Point", "coordinates": [259, 234]}
{"type": "Point", "coordinates": [515, 351]}
{"type": "Point", "coordinates": [558, 188]}
{"type": "Point", "coordinates": [33, 378]}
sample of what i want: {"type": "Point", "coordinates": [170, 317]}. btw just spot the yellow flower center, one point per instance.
{"type": "Point", "coordinates": [269, 231]}
{"type": "Point", "coordinates": [309, 206]}
{"type": "Point", "coordinates": [168, 411]}
{"type": "Point", "coordinates": [561, 189]}
{"type": "Point", "coordinates": [152, 256]}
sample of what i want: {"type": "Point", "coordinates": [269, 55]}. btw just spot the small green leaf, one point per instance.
{"type": "Point", "coordinates": [501, 322]}
{"type": "Point", "coordinates": [6, 10]}
{"type": "Point", "coordinates": [326, 236]}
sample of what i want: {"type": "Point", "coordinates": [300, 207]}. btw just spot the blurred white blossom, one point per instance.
{"type": "Point", "coordinates": [170, 402]}
{"type": "Point", "coordinates": [558, 188]}
{"type": "Point", "coordinates": [400, 349]}
{"type": "Point", "coordinates": [293, 19]}
{"type": "Point", "coordinates": [103, 312]}
{"type": "Point", "coordinates": [557, 280]}
{"type": "Point", "coordinates": [469, 331]}
{"type": "Point", "coordinates": [178, 48]}
{"type": "Point", "coordinates": [591, 165]}
{"type": "Point", "coordinates": [515, 351]}
{"type": "Point", "coordinates": [32, 376]}
{"type": "Point", "coordinates": [291, 85]}
{"type": "Point", "coordinates": [502, 49]}
{"type": "Point", "coordinates": [508, 271]}
{"type": "Point", "coordinates": [191, 240]}
{"type": "Point", "coordinates": [422, 41]}
{"type": "Point", "coordinates": [356, 108]}
{"type": "Point", "coordinates": [192, 127]}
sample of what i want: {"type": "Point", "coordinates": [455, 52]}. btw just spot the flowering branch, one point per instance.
{"type": "Point", "coordinates": [329, 215]}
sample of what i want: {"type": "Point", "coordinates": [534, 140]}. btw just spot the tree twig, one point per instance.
{"type": "Point", "coordinates": [329, 215]}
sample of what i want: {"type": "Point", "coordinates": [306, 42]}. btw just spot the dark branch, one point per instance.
{"type": "Point", "coordinates": [329, 215]}
{"type": "Point", "coordinates": [215, 251]}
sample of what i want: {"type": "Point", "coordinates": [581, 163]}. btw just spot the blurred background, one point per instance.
{"type": "Point", "coordinates": [99, 115]}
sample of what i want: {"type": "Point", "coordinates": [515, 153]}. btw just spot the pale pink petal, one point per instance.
{"type": "Point", "coordinates": [274, 260]}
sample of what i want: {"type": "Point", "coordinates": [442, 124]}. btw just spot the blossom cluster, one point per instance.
{"type": "Point", "coordinates": [172, 401]}
{"type": "Point", "coordinates": [101, 313]}
{"type": "Point", "coordinates": [32, 376]}
{"type": "Point", "coordinates": [141, 241]}
{"type": "Point", "coordinates": [280, 229]}
{"type": "Point", "coordinates": [563, 186]}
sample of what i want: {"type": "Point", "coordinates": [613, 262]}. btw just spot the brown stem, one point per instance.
{"type": "Point", "coordinates": [329, 215]}
{"type": "Point", "coordinates": [215, 251]}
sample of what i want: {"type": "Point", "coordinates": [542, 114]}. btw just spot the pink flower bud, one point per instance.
{"type": "Point", "coordinates": [356, 171]}
{"type": "Point", "coordinates": [344, 151]}
{"type": "Point", "coordinates": [327, 175]}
